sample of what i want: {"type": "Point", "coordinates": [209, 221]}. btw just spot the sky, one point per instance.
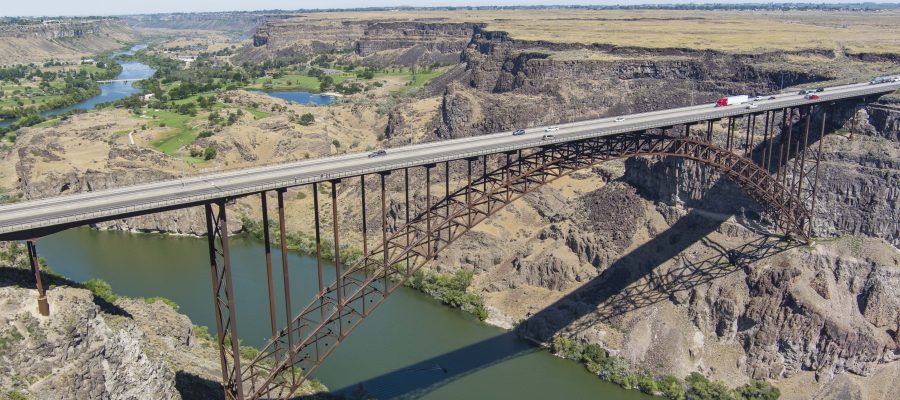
{"type": "Point", "coordinates": [120, 7]}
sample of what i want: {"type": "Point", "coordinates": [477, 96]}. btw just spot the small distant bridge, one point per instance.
{"type": "Point", "coordinates": [766, 149]}
{"type": "Point", "coordinates": [120, 80]}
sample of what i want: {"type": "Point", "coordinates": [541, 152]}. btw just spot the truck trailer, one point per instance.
{"type": "Point", "coordinates": [733, 100]}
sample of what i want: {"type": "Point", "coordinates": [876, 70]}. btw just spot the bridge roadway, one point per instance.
{"type": "Point", "coordinates": [39, 217]}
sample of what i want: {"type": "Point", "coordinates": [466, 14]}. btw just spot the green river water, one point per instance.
{"type": "Point", "coordinates": [411, 347]}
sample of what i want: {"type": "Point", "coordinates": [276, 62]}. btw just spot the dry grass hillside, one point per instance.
{"type": "Point", "coordinates": [726, 31]}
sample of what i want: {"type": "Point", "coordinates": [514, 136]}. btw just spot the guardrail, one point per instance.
{"type": "Point", "coordinates": [111, 213]}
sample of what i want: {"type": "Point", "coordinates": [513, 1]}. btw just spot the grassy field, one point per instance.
{"type": "Point", "coordinates": [293, 82]}
{"type": "Point", "coordinates": [182, 132]}
{"type": "Point", "coordinates": [728, 31]}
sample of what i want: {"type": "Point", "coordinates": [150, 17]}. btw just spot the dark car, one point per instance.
{"type": "Point", "coordinates": [820, 90]}
{"type": "Point", "coordinates": [518, 132]}
{"type": "Point", "coordinates": [771, 97]}
{"type": "Point", "coordinates": [378, 153]}
{"type": "Point", "coordinates": [802, 92]}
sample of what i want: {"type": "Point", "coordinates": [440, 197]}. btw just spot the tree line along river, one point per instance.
{"type": "Point", "coordinates": [412, 347]}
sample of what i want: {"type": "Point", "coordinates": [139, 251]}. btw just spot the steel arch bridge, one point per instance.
{"type": "Point", "coordinates": [777, 167]}
{"type": "Point", "coordinates": [296, 350]}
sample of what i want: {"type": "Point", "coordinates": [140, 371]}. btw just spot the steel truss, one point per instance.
{"type": "Point", "coordinates": [296, 350]}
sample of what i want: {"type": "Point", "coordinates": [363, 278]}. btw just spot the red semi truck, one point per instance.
{"type": "Point", "coordinates": [733, 100]}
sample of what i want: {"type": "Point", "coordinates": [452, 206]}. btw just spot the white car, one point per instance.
{"type": "Point", "coordinates": [758, 98]}
{"type": "Point", "coordinates": [547, 137]}
{"type": "Point", "coordinates": [620, 119]}
{"type": "Point", "coordinates": [751, 105]}
{"type": "Point", "coordinates": [552, 129]}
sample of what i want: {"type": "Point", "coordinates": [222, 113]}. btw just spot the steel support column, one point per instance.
{"type": "Point", "coordinates": [43, 305]}
{"type": "Point", "coordinates": [223, 300]}
{"type": "Point", "coordinates": [267, 245]}
{"type": "Point", "coordinates": [337, 252]}
{"type": "Point", "coordinates": [815, 184]}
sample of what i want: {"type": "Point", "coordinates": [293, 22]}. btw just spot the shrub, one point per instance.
{"type": "Point", "coordinates": [566, 348]}
{"type": "Point", "coordinates": [307, 119]}
{"type": "Point", "coordinates": [205, 134]}
{"type": "Point", "coordinates": [165, 301]}
{"type": "Point", "coordinates": [593, 353]}
{"type": "Point", "coordinates": [202, 332]}
{"type": "Point", "coordinates": [757, 390]}
{"type": "Point", "coordinates": [701, 388]}
{"type": "Point", "coordinates": [671, 388]}
{"type": "Point", "coordinates": [101, 289]}
{"type": "Point", "coordinates": [450, 290]}
{"type": "Point", "coordinates": [336, 143]}
{"type": "Point", "coordinates": [209, 153]}
{"type": "Point", "coordinates": [646, 384]}
{"type": "Point", "coordinates": [616, 370]}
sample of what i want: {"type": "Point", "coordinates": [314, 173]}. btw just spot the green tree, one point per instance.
{"type": "Point", "coordinates": [701, 388]}
{"type": "Point", "coordinates": [307, 119]}
{"type": "Point", "coordinates": [671, 387]}
{"type": "Point", "coordinates": [757, 390]}
{"type": "Point", "coordinates": [647, 384]}
{"type": "Point", "coordinates": [209, 153]}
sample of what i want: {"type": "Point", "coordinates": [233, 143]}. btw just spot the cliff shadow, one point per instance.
{"type": "Point", "coordinates": [630, 283]}
{"type": "Point", "coordinates": [23, 277]}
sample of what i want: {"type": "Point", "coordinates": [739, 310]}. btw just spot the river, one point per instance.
{"type": "Point", "coordinates": [300, 97]}
{"type": "Point", "coordinates": [411, 347]}
{"type": "Point", "coordinates": [108, 91]}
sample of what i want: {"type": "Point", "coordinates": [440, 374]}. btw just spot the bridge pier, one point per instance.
{"type": "Point", "coordinates": [43, 305]}
{"type": "Point", "coordinates": [223, 300]}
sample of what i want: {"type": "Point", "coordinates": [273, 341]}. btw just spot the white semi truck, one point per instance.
{"type": "Point", "coordinates": [733, 100]}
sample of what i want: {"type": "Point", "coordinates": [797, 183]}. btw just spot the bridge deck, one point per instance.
{"type": "Point", "coordinates": [32, 218]}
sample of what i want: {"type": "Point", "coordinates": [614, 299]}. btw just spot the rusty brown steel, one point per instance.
{"type": "Point", "coordinates": [384, 228]}
{"type": "Point", "coordinates": [759, 185]}
{"type": "Point", "coordinates": [427, 209]}
{"type": "Point", "coordinates": [748, 139]}
{"type": "Point", "coordinates": [267, 246]}
{"type": "Point", "coordinates": [42, 305]}
{"type": "Point", "coordinates": [337, 251]}
{"type": "Point", "coordinates": [315, 189]}
{"type": "Point", "coordinates": [812, 207]}
{"type": "Point", "coordinates": [285, 274]}
{"type": "Point", "coordinates": [217, 227]}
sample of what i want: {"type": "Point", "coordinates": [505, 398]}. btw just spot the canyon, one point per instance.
{"type": "Point", "coordinates": [658, 260]}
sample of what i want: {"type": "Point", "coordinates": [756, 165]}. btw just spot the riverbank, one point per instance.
{"type": "Point", "coordinates": [408, 329]}
{"type": "Point", "coordinates": [57, 90]}
{"type": "Point", "coordinates": [91, 330]}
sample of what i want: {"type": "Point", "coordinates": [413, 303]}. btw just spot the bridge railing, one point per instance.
{"type": "Point", "coordinates": [190, 200]}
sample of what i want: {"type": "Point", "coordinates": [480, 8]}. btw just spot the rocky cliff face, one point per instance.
{"type": "Point", "coordinates": [374, 42]}
{"type": "Point", "coordinates": [51, 30]}
{"type": "Point", "coordinates": [89, 348]}
{"type": "Point", "coordinates": [61, 40]}
{"type": "Point", "coordinates": [77, 354]}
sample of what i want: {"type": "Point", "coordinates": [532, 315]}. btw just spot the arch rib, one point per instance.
{"type": "Point", "coordinates": [328, 318]}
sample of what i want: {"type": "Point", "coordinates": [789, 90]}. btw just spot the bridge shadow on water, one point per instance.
{"type": "Point", "coordinates": [630, 283]}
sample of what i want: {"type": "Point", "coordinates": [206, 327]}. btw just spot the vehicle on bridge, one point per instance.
{"type": "Point", "coordinates": [620, 119]}
{"type": "Point", "coordinates": [751, 105]}
{"type": "Point", "coordinates": [518, 132]}
{"type": "Point", "coordinates": [733, 100]}
{"type": "Point", "coordinates": [812, 96]}
{"type": "Point", "coordinates": [547, 137]}
{"type": "Point", "coordinates": [551, 129]}
{"type": "Point", "coordinates": [378, 153]}
{"type": "Point", "coordinates": [884, 79]}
